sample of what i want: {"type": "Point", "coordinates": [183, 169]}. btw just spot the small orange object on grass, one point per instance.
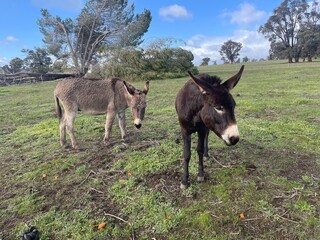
{"type": "Point", "coordinates": [44, 175]}
{"type": "Point", "coordinates": [101, 225]}
{"type": "Point", "coordinates": [129, 174]}
{"type": "Point", "coordinates": [241, 216]}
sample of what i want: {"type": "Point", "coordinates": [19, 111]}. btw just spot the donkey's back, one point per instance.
{"type": "Point", "coordinates": [93, 96]}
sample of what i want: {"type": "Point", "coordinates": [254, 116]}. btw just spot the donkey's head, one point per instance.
{"type": "Point", "coordinates": [138, 102]}
{"type": "Point", "coordinates": [217, 112]}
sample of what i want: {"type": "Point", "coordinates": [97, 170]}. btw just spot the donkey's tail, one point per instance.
{"type": "Point", "coordinates": [58, 107]}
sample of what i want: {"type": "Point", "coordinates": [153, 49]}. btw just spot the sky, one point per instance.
{"type": "Point", "coordinates": [200, 26]}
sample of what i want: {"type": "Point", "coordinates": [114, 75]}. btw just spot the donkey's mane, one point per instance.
{"type": "Point", "coordinates": [212, 80]}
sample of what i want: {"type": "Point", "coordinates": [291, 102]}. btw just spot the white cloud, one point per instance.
{"type": "Point", "coordinates": [245, 14]}
{"type": "Point", "coordinates": [10, 39]}
{"type": "Point", "coordinates": [174, 12]}
{"type": "Point", "coordinates": [68, 5]}
{"type": "Point", "coordinates": [254, 46]}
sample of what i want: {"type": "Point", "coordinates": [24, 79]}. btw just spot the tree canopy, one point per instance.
{"type": "Point", "coordinates": [15, 65]}
{"type": "Point", "coordinates": [101, 24]}
{"type": "Point", "coordinates": [37, 60]}
{"type": "Point", "coordinates": [205, 61]}
{"type": "Point", "coordinates": [153, 63]}
{"type": "Point", "coordinates": [293, 30]}
{"type": "Point", "coordinates": [230, 51]}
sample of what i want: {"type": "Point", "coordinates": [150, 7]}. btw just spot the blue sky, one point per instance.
{"type": "Point", "coordinates": [203, 25]}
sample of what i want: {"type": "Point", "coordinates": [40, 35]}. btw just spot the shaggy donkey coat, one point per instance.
{"type": "Point", "coordinates": [203, 104]}
{"type": "Point", "coordinates": [93, 96]}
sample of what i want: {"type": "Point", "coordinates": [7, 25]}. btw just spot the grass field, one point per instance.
{"type": "Point", "coordinates": [265, 187]}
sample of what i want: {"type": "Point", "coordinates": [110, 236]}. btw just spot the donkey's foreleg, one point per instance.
{"type": "Point", "coordinates": [200, 150]}
{"type": "Point", "coordinates": [186, 155]}
{"type": "Point", "coordinates": [108, 126]}
{"type": "Point", "coordinates": [122, 125]}
{"type": "Point", "coordinates": [205, 154]}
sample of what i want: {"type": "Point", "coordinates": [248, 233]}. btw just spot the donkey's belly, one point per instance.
{"type": "Point", "coordinates": [93, 111]}
{"type": "Point", "coordinates": [93, 105]}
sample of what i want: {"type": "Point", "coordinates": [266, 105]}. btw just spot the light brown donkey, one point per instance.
{"type": "Point", "coordinates": [92, 96]}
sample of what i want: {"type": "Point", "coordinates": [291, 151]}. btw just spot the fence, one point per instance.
{"type": "Point", "coordinates": [19, 78]}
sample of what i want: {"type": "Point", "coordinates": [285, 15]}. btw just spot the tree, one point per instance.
{"type": "Point", "coordinates": [132, 63]}
{"type": "Point", "coordinates": [205, 61]}
{"type": "Point", "coordinates": [277, 51]}
{"type": "Point", "coordinates": [38, 60]}
{"type": "Point", "coordinates": [284, 24]}
{"type": "Point", "coordinates": [245, 59]}
{"type": "Point", "coordinates": [309, 32]}
{"type": "Point", "coordinates": [59, 66]}
{"type": "Point", "coordinates": [6, 69]}
{"type": "Point", "coordinates": [16, 65]}
{"type": "Point", "coordinates": [230, 51]}
{"type": "Point", "coordinates": [101, 23]}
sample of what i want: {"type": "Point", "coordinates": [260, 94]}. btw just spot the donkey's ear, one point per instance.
{"type": "Point", "coordinates": [129, 88]}
{"type": "Point", "coordinates": [202, 85]}
{"type": "Point", "coordinates": [146, 87]}
{"type": "Point", "coordinates": [232, 82]}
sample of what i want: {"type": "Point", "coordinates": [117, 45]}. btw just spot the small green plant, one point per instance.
{"type": "Point", "coordinates": [304, 206]}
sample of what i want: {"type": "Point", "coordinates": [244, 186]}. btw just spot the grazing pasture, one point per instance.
{"type": "Point", "coordinates": [265, 187]}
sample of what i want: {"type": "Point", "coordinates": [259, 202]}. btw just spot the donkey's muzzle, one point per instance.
{"type": "Point", "coordinates": [231, 135]}
{"type": "Point", "coordinates": [233, 140]}
{"type": "Point", "coordinates": [137, 123]}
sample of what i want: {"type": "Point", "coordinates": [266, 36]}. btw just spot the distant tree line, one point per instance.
{"type": "Point", "coordinates": [36, 61]}
{"type": "Point", "coordinates": [294, 30]}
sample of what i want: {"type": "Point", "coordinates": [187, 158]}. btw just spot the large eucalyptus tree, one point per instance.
{"type": "Point", "coordinates": [100, 24]}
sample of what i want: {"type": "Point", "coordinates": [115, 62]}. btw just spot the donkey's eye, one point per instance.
{"type": "Point", "coordinates": [219, 108]}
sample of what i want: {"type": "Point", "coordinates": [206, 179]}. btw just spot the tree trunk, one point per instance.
{"type": "Point", "coordinates": [290, 59]}
{"type": "Point", "coordinates": [309, 59]}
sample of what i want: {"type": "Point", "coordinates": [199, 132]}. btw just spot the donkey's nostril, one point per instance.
{"type": "Point", "coordinates": [234, 140]}
{"type": "Point", "coordinates": [138, 125]}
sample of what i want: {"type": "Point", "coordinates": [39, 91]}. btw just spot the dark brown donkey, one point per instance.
{"type": "Point", "coordinates": [203, 104]}
{"type": "Point", "coordinates": [110, 96]}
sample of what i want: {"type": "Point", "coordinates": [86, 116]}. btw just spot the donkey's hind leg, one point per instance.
{"type": "Point", "coordinates": [62, 126]}
{"type": "Point", "coordinates": [69, 118]}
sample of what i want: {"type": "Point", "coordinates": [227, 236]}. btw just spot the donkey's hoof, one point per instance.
{"type": "Point", "coordinates": [65, 146]}
{"type": "Point", "coordinates": [107, 143]}
{"type": "Point", "coordinates": [76, 148]}
{"type": "Point", "coordinates": [205, 158]}
{"type": "Point", "coordinates": [200, 179]}
{"type": "Point", "coordinates": [184, 186]}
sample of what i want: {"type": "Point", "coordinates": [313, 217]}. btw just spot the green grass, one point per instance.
{"type": "Point", "coordinates": [271, 175]}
